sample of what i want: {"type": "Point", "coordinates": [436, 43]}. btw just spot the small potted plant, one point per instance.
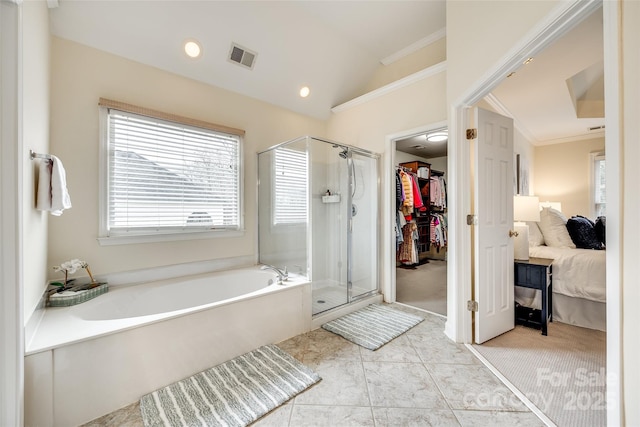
{"type": "Point", "coordinates": [65, 294]}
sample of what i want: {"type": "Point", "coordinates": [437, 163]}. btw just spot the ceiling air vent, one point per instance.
{"type": "Point", "coordinates": [596, 128]}
{"type": "Point", "coordinates": [242, 56]}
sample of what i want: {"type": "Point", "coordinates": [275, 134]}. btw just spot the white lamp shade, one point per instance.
{"type": "Point", "coordinates": [526, 208]}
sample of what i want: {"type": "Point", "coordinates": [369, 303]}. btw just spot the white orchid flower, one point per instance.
{"type": "Point", "coordinates": [71, 266]}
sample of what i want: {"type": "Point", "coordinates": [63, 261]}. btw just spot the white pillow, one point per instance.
{"type": "Point", "coordinates": [553, 225]}
{"type": "Point", "coordinates": [535, 235]}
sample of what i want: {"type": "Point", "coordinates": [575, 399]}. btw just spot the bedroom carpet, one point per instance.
{"type": "Point", "coordinates": [424, 287]}
{"type": "Point", "coordinates": [563, 374]}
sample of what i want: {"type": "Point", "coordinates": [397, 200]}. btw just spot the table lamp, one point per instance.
{"type": "Point", "coordinates": [525, 208]}
{"type": "Point", "coordinates": [554, 205]}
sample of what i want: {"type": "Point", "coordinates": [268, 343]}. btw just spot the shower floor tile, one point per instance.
{"type": "Point", "coordinates": [328, 296]}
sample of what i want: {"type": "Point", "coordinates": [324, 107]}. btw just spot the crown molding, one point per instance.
{"type": "Point", "coordinates": [416, 46]}
{"type": "Point", "coordinates": [392, 87]}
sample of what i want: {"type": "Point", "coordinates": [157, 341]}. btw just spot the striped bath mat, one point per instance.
{"type": "Point", "coordinates": [234, 393]}
{"type": "Point", "coordinates": [373, 326]}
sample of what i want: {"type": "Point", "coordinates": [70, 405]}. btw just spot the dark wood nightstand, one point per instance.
{"type": "Point", "coordinates": [535, 273]}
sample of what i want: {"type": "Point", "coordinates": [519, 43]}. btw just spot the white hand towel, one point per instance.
{"type": "Point", "coordinates": [43, 198]}
{"type": "Point", "coordinates": [52, 195]}
{"type": "Point", "coordinates": [60, 198]}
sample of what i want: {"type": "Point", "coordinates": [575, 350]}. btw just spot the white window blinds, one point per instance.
{"type": "Point", "coordinates": [290, 204]}
{"type": "Point", "coordinates": [600, 186]}
{"type": "Point", "coordinates": [166, 176]}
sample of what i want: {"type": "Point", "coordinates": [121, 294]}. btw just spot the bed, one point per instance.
{"type": "Point", "coordinates": [578, 276]}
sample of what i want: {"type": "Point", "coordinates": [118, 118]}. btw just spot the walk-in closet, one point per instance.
{"type": "Point", "coordinates": [421, 221]}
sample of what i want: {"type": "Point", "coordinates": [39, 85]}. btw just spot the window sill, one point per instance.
{"type": "Point", "coordinates": [171, 237]}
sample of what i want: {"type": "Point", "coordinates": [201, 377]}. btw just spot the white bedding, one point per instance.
{"type": "Point", "coordinates": [576, 272]}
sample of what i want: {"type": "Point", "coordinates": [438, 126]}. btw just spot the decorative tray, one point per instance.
{"type": "Point", "coordinates": [69, 298]}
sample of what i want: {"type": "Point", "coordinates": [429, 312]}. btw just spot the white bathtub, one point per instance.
{"type": "Point", "coordinates": [90, 359]}
{"type": "Point", "coordinates": [174, 296]}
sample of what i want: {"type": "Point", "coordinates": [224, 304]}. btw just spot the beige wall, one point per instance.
{"type": "Point", "coordinates": [480, 33]}
{"type": "Point", "coordinates": [80, 76]}
{"type": "Point", "coordinates": [35, 112]}
{"type": "Point", "coordinates": [426, 57]}
{"type": "Point", "coordinates": [563, 174]}
{"type": "Point", "coordinates": [367, 125]}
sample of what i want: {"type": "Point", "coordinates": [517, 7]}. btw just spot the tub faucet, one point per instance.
{"type": "Point", "coordinates": [282, 275]}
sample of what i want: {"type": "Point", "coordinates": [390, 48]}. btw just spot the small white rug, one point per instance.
{"type": "Point", "coordinates": [373, 326]}
{"type": "Point", "coordinates": [234, 393]}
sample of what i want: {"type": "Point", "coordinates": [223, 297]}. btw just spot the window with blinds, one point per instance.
{"type": "Point", "coordinates": [166, 177]}
{"type": "Point", "coordinates": [290, 192]}
{"type": "Point", "coordinates": [599, 185]}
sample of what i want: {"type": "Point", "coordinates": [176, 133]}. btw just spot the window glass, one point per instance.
{"type": "Point", "coordinates": [169, 177]}
{"type": "Point", "coordinates": [599, 186]}
{"type": "Point", "coordinates": [290, 192]}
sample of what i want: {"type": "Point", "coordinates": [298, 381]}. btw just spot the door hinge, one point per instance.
{"type": "Point", "coordinates": [472, 220]}
{"type": "Point", "coordinates": [472, 133]}
{"type": "Point", "coordinates": [472, 305]}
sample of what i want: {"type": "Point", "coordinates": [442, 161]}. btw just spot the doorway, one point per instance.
{"type": "Point", "coordinates": [534, 345]}
{"type": "Point", "coordinates": [420, 170]}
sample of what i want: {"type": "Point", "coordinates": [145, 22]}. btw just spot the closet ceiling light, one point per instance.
{"type": "Point", "coordinates": [192, 48]}
{"type": "Point", "coordinates": [437, 136]}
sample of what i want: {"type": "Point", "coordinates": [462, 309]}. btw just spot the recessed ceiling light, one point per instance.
{"type": "Point", "coordinates": [511, 74]}
{"type": "Point", "coordinates": [528, 61]}
{"type": "Point", "coordinates": [437, 137]}
{"type": "Point", "coordinates": [192, 48]}
{"type": "Point", "coordinates": [304, 92]}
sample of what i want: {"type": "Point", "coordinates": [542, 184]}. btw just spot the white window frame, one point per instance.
{"type": "Point", "coordinates": [594, 158]}
{"type": "Point", "coordinates": [109, 237]}
{"type": "Point", "coordinates": [274, 214]}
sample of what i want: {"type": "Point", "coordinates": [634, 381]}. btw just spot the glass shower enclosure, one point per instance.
{"type": "Point", "coordinates": [318, 213]}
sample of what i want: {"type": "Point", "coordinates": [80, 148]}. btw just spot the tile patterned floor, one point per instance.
{"type": "Point", "coordinates": [419, 379]}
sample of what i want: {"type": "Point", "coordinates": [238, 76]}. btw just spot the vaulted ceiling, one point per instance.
{"type": "Point", "coordinates": [334, 48]}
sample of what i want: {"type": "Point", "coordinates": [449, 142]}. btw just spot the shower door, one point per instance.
{"type": "Point", "coordinates": [344, 225]}
{"type": "Point", "coordinates": [318, 217]}
{"type": "Point", "coordinates": [363, 228]}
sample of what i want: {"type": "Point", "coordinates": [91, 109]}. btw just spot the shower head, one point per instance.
{"type": "Point", "coordinates": [345, 151]}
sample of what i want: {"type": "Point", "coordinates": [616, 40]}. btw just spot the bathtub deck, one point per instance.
{"type": "Point", "coordinates": [62, 326]}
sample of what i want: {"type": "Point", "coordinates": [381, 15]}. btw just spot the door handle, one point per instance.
{"type": "Point", "coordinates": [513, 233]}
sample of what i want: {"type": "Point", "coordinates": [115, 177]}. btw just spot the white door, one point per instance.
{"type": "Point", "coordinates": [493, 246]}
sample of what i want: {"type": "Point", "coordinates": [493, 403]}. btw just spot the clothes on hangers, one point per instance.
{"type": "Point", "coordinates": [408, 251]}
{"type": "Point", "coordinates": [439, 233]}
{"type": "Point", "coordinates": [438, 192]}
